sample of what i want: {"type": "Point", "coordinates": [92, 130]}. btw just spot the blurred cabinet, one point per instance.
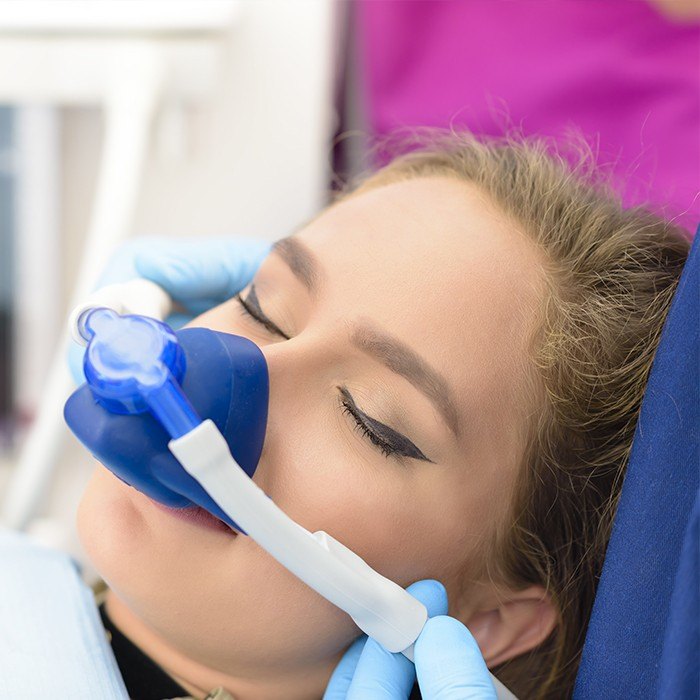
{"type": "Point", "coordinates": [211, 117]}
{"type": "Point", "coordinates": [7, 232]}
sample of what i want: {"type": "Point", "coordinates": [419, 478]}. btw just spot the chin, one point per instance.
{"type": "Point", "coordinates": [110, 525]}
{"type": "Point", "coordinates": [135, 545]}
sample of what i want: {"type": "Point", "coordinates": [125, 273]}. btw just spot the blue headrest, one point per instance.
{"type": "Point", "coordinates": [643, 637]}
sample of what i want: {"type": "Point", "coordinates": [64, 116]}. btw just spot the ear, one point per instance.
{"type": "Point", "coordinates": [512, 626]}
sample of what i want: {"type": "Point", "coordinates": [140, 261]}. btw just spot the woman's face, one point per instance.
{"type": "Point", "coordinates": [409, 306]}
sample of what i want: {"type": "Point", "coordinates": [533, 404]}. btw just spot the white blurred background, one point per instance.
{"type": "Point", "coordinates": [129, 117]}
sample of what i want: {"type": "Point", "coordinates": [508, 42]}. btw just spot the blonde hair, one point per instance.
{"type": "Point", "coordinates": [611, 275]}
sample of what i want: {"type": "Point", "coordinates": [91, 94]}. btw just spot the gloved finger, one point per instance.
{"type": "Point", "coordinates": [432, 594]}
{"type": "Point", "coordinates": [120, 267]}
{"type": "Point", "coordinates": [382, 675]}
{"type": "Point", "coordinates": [342, 676]}
{"type": "Point", "coordinates": [449, 664]}
{"type": "Point", "coordinates": [203, 269]}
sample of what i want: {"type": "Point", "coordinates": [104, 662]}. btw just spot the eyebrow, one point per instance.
{"type": "Point", "coordinates": [301, 261]}
{"type": "Point", "coordinates": [403, 360]}
{"type": "Point", "coordinates": [387, 349]}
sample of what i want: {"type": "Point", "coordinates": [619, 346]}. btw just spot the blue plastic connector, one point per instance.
{"type": "Point", "coordinates": [147, 384]}
{"type": "Point", "coordinates": [134, 364]}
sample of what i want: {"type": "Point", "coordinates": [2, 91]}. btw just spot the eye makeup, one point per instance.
{"type": "Point", "coordinates": [251, 306]}
{"type": "Point", "coordinates": [385, 439]}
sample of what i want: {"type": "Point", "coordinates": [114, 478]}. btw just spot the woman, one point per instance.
{"type": "Point", "coordinates": [458, 350]}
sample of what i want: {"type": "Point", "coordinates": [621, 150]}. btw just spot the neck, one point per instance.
{"type": "Point", "coordinates": [198, 679]}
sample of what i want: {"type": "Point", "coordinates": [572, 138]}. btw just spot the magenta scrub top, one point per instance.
{"type": "Point", "coordinates": [620, 71]}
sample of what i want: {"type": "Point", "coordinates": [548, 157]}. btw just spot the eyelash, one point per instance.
{"type": "Point", "coordinates": [384, 447]}
{"type": "Point", "coordinates": [260, 321]}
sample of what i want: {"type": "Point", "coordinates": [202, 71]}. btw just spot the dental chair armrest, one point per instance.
{"type": "Point", "coordinates": [52, 643]}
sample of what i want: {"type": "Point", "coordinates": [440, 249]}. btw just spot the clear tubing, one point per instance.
{"type": "Point", "coordinates": [171, 407]}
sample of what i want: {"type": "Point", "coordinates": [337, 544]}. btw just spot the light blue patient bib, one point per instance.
{"type": "Point", "coordinates": [52, 643]}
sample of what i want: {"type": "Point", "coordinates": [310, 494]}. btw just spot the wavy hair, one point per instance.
{"type": "Point", "coordinates": [611, 273]}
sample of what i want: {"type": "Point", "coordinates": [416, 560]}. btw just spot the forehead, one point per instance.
{"type": "Point", "coordinates": [434, 262]}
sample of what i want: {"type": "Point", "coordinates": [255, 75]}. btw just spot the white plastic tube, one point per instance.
{"type": "Point", "coordinates": [380, 608]}
{"type": "Point", "coordinates": [137, 296]}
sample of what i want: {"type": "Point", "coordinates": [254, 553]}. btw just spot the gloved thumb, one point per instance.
{"type": "Point", "coordinates": [200, 273]}
{"type": "Point", "coordinates": [381, 674]}
{"type": "Point", "coordinates": [449, 665]}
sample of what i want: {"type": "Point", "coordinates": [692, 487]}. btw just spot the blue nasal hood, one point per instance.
{"type": "Point", "coordinates": [223, 377]}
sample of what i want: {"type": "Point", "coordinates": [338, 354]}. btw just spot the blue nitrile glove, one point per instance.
{"type": "Point", "coordinates": [198, 273]}
{"type": "Point", "coordinates": [448, 662]}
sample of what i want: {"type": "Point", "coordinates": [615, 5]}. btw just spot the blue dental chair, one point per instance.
{"type": "Point", "coordinates": [643, 639]}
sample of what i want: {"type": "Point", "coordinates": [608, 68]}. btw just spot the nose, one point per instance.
{"type": "Point", "coordinates": [299, 373]}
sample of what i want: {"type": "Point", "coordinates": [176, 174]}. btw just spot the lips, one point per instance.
{"type": "Point", "coordinates": [197, 516]}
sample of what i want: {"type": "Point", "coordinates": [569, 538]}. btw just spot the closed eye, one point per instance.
{"type": "Point", "coordinates": [384, 438]}
{"type": "Point", "coordinates": [251, 306]}
{"type": "Point", "coordinates": [387, 440]}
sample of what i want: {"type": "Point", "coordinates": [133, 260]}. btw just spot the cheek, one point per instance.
{"type": "Point", "coordinates": [110, 526]}
{"type": "Point", "coordinates": [119, 526]}
{"type": "Point", "coordinates": [406, 522]}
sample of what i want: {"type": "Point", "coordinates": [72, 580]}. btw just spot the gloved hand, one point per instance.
{"type": "Point", "coordinates": [448, 662]}
{"type": "Point", "coordinates": [198, 273]}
